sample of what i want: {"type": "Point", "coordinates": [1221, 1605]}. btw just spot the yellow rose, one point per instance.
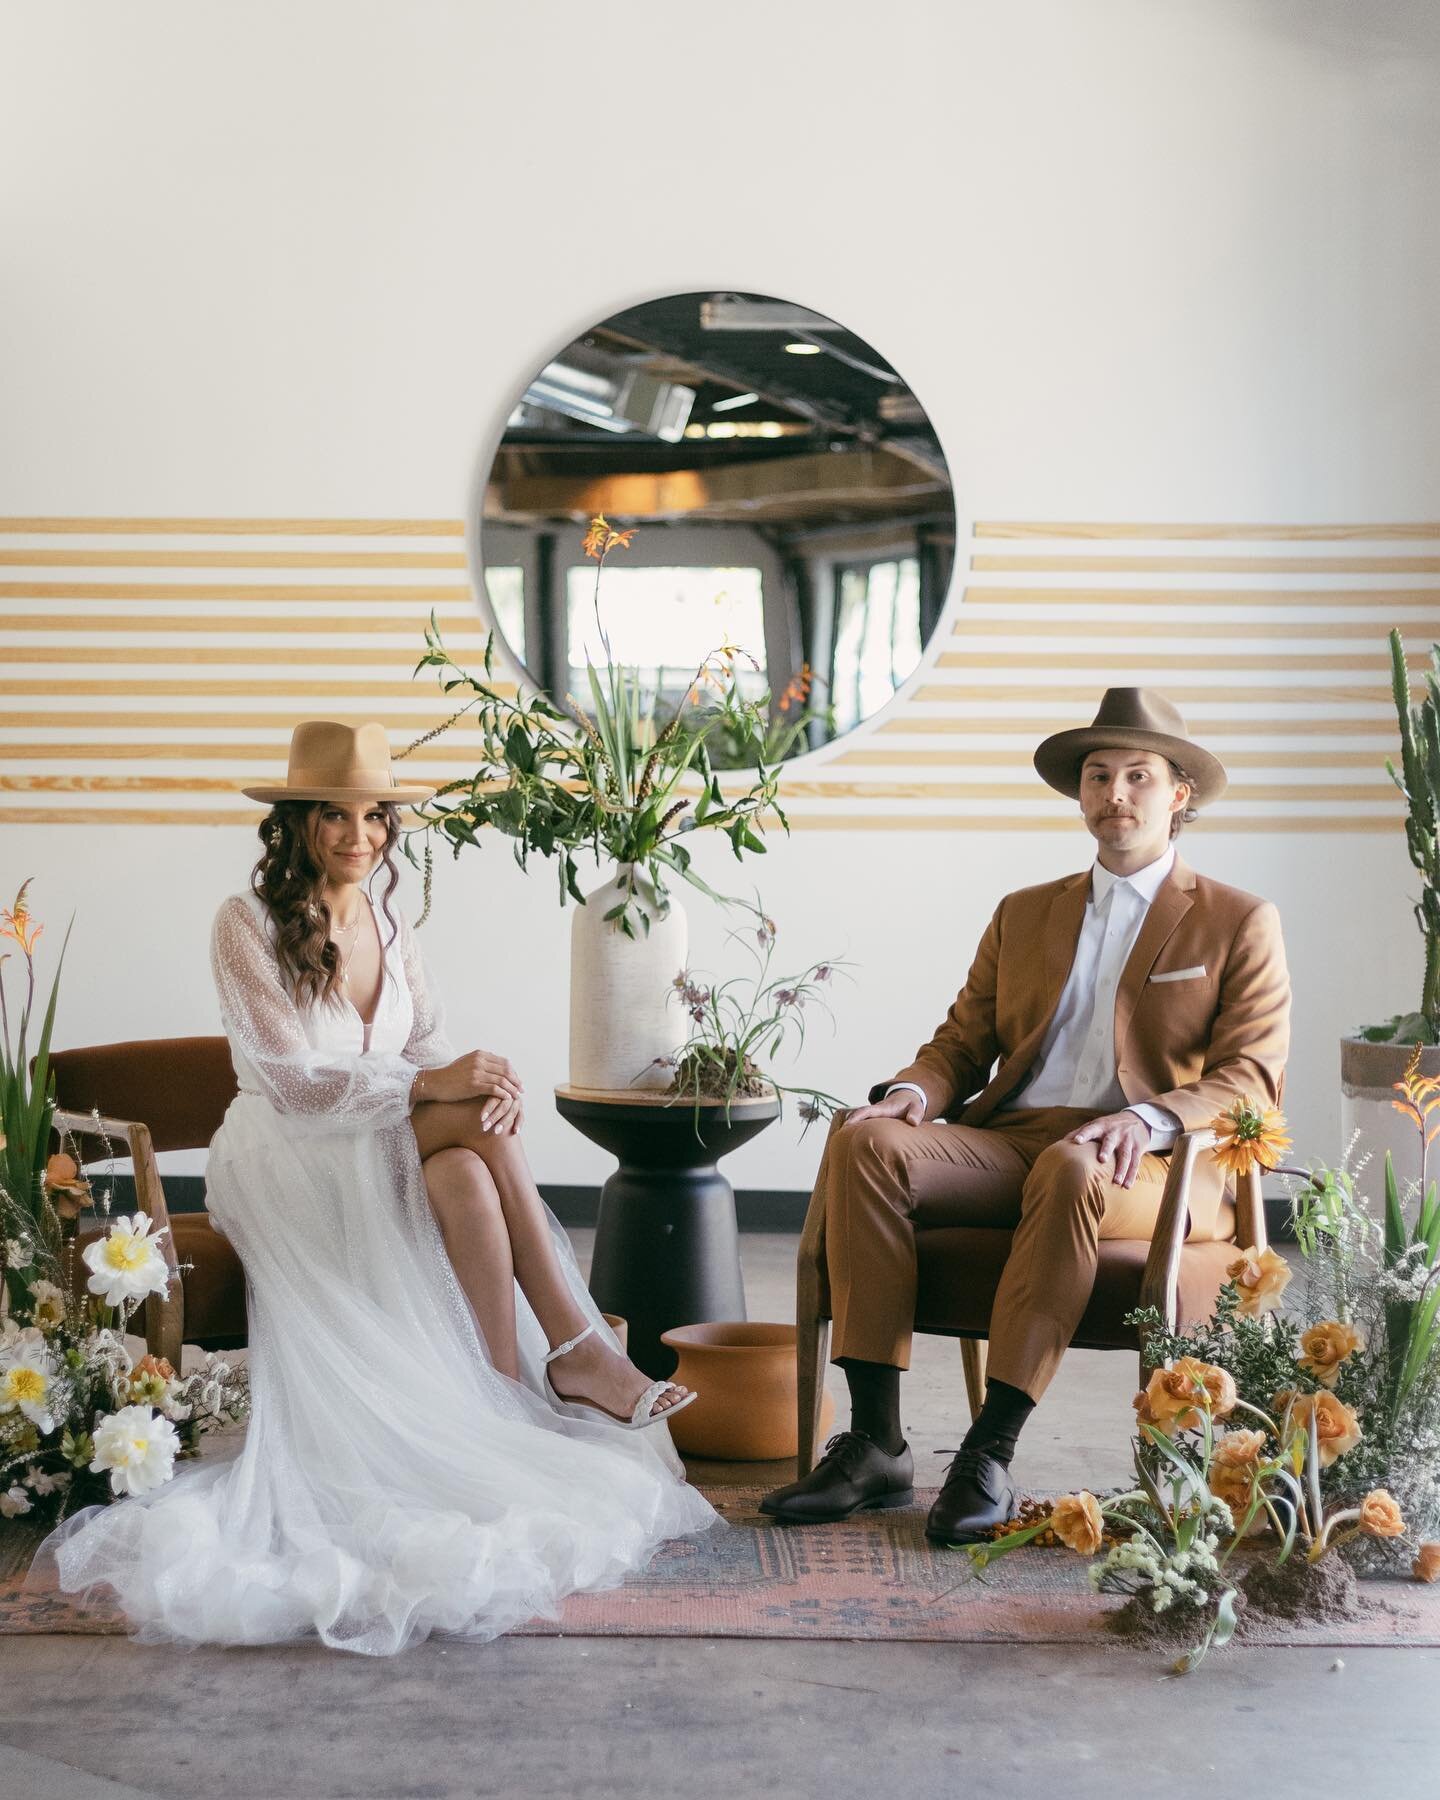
{"type": "Point", "coordinates": [1260, 1277]}
{"type": "Point", "coordinates": [1234, 1465]}
{"type": "Point", "coordinates": [1325, 1347]}
{"type": "Point", "coordinates": [1169, 1399]}
{"type": "Point", "coordinates": [1336, 1427]}
{"type": "Point", "coordinates": [1380, 1515]}
{"type": "Point", "coordinates": [1077, 1522]}
{"type": "Point", "coordinates": [1426, 1566]}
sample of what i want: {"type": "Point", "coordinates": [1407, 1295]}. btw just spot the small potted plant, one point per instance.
{"type": "Point", "coordinates": [1375, 1058]}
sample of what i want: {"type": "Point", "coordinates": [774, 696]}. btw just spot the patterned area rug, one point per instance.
{"type": "Point", "coordinates": [872, 1578]}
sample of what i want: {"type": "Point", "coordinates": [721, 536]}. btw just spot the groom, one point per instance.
{"type": "Point", "coordinates": [1103, 1015]}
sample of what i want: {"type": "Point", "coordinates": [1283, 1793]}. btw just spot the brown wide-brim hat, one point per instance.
{"type": "Point", "coordinates": [329, 761]}
{"type": "Point", "coordinates": [1132, 718]}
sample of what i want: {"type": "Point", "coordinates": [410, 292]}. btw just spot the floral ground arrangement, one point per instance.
{"type": "Point", "coordinates": [81, 1421]}
{"type": "Point", "coordinates": [1280, 1450]}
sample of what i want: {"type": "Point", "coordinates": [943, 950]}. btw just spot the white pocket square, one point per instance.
{"type": "Point", "coordinates": [1181, 974]}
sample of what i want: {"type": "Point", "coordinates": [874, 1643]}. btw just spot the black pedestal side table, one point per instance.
{"type": "Point", "coordinates": [667, 1249]}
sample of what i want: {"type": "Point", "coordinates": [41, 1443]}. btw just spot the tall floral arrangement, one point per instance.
{"type": "Point", "coordinates": [607, 775]}
{"type": "Point", "coordinates": [81, 1420]}
{"type": "Point", "coordinates": [1297, 1437]}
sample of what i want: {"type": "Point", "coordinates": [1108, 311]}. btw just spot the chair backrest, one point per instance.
{"type": "Point", "coordinates": [179, 1087]}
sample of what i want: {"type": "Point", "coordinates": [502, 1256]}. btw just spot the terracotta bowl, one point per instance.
{"type": "Point", "coordinates": [745, 1377]}
{"type": "Point", "coordinates": [621, 1327]}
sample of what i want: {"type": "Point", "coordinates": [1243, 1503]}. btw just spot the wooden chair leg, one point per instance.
{"type": "Point", "coordinates": [973, 1352]}
{"type": "Point", "coordinates": [812, 1346]}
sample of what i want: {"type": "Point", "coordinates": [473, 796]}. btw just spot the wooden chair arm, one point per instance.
{"type": "Point", "coordinates": [1160, 1284]}
{"type": "Point", "coordinates": [164, 1313]}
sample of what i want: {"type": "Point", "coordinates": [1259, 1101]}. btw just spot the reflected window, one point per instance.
{"type": "Point", "coordinates": [505, 589]}
{"type": "Point", "coordinates": [665, 622]}
{"type": "Point", "coordinates": [877, 635]}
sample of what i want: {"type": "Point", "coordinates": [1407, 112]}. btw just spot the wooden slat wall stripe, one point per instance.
{"type": "Point", "coordinates": [253, 655]}
{"type": "Point", "coordinates": [1251, 598]}
{"type": "Point", "coordinates": [231, 559]}
{"type": "Point", "coordinates": [1085, 628]}
{"type": "Point", "coordinates": [1034, 728]}
{"type": "Point", "coordinates": [1323, 534]}
{"type": "Point", "coordinates": [1215, 565]}
{"type": "Point", "coordinates": [120, 527]}
{"type": "Point", "coordinates": [224, 590]}
{"type": "Point", "coordinates": [106, 719]}
{"type": "Point", "coordinates": [468, 630]}
{"type": "Point", "coordinates": [1229, 693]}
{"type": "Point", "coordinates": [1017, 757]}
{"type": "Point", "coordinates": [1313, 824]}
{"type": "Point", "coordinates": [1149, 656]}
{"type": "Point", "coordinates": [132, 667]}
{"type": "Point", "coordinates": [268, 688]}
{"type": "Point", "coordinates": [1032, 790]}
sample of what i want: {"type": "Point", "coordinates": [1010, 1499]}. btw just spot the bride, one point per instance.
{"type": "Point", "coordinates": [445, 1435]}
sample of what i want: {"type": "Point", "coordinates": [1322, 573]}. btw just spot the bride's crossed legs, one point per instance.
{"type": "Point", "coordinates": [492, 1220]}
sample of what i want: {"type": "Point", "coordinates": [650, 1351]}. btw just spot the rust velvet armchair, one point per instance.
{"type": "Point", "coordinates": [960, 1266]}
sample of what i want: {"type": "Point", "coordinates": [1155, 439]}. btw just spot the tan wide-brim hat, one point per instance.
{"type": "Point", "coordinates": [1132, 718]}
{"type": "Point", "coordinates": [329, 761]}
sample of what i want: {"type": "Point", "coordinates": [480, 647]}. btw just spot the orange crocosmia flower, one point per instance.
{"type": "Point", "coordinates": [1246, 1134]}
{"type": "Point", "coordinates": [602, 537]}
{"type": "Point", "coordinates": [16, 923]}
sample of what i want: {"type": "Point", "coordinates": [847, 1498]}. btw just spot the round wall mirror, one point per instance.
{"type": "Point", "coordinates": [790, 498]}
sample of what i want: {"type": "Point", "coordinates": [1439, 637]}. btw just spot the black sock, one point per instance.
{"type": "Point", "coordinates": [875, 1402]}
{"type": "Point", "coordinates": [998, 1423]}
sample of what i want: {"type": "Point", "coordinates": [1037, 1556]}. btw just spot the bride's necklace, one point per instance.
{"type": "Point", "coordinates": [346, 953]}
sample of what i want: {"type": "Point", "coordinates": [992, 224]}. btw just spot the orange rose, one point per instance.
{"type": "Point", "coordinates": [1234, 1466]}
{"type": "Point", "coordinates": [1325, 1347]}
{"type": "Point", "coordinates": [67, 1187]}
{"type": "Point", "coordinates": [1078, 1523]}
{"type": "Point", "coordinates": [1426, 1566]}
{"type": "Point", "coordinates": [1380, 1515]}
{"type": "Point", "coordinates": [1173, 1399]}
{"type": "Point", "coordinates": [1260, 1277]}
{"type": "Point", "coordinates": [1336, 1427]}
{"type": "Point", "coordinates": [158, 1366]}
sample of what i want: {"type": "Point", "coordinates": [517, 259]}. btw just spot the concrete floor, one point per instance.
{"type": "Point", "coordinates": [93, 1717]}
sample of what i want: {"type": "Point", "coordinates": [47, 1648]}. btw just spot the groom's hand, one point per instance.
{"type": "Point", "coordinates": [905, 1104]}
{"type": "Point", "coordinates": [1124, 1137]}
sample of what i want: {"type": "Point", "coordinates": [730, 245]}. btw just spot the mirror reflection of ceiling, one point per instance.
{"type": "Point", "coordinates": [790, 493]}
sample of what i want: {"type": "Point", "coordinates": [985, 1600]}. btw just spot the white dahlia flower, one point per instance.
{"type": "Point", "coordinates": [127, 1263]}
{"type": "Point", "coordinates": [25, 1383]}
{"type": "Point", "coordinates": [138, 1448]}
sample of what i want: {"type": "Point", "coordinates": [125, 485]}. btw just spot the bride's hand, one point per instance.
{"type": "Point", "coordinates": [468, 1077]}
{"type": "Point", "coordinates": [504, 1116]}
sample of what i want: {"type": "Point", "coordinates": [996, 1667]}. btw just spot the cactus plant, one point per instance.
{"type": "Point", "coordinates": [1418, 779]}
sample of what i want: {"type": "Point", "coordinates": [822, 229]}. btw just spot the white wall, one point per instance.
{"type": "Point", "coordinates": [1140, 262]}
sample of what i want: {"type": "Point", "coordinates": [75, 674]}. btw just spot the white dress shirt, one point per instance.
{"type": "Point", "coordinates": [1076, 1062]}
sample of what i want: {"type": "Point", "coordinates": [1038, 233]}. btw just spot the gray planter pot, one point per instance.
{"type": "Point", "coordinates": [1368, 1073]}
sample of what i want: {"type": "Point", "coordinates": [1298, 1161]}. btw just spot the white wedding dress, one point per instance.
{"type": "Point", "coordinates": [391, 1482]}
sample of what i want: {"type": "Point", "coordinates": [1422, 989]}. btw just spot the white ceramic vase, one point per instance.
{"type": "Point", "coordinates": [622, 1017]}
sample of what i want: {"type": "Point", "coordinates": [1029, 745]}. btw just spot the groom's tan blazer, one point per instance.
{"type": "Point", "coordinates": [1202, 1010]}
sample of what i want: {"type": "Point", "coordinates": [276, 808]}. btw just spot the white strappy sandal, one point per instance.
{"type": "Point", "coordinates": [640, 1417]}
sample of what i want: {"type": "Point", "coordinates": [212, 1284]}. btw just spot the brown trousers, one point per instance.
{"type": "Point", "coordinates": [880, 1179]}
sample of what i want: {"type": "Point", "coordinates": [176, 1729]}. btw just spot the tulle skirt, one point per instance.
{"type": "Point", "coordinates": [391, 1483]}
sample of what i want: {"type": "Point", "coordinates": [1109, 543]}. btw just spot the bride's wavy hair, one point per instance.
{"type": "Point", "coordinates": [290, 879]}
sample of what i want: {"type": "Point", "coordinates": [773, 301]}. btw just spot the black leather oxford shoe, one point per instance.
{"type": "Point", "coordinates": [854, 1475]}
{"type": "Point", "coordinates": [978, 1494]}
